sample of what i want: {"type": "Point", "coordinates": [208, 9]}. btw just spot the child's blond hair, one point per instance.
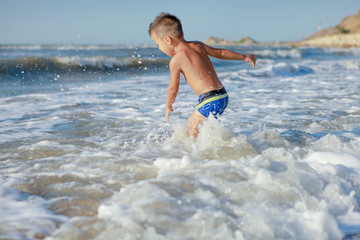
{"type": "Point", "coordinates": [166, 24]}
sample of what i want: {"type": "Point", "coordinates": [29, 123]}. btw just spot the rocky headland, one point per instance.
{"type": "Point", "coordinates": [338, 40]}
{"type": "Point", "coordinates": [345, 34]}
{"type": "Point", "coordinates": [220, 41]}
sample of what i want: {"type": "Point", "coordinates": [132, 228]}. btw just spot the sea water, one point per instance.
{"type": "Point", "coordinates": [86, 152]}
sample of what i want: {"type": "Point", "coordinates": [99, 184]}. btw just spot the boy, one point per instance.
{"type": "Point", "coordinates": [192, 60]}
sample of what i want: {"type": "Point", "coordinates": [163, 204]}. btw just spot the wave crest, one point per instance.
{"type": "Point", "coordinates": [38, 65]}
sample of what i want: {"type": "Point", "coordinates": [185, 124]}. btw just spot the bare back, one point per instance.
{"type": "Point", "coordinates": [197, 68]}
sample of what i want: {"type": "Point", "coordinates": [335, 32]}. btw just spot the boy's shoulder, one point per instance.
{"type": "Point", "coordinates": [192, 46]}
{"type": "Point", "coordinates": [184, 53]}
{"type": "Point", "coordinates": [198, 43]}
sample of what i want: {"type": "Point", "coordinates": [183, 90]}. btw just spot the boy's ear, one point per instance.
{"type": "Point", "coordinates": [168, 39]}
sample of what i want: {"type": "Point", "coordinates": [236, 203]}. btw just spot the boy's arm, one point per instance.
{"type": "Point", "coordinates": [173, 87]}
{"type": "Point", "coordinates": [229, 55]}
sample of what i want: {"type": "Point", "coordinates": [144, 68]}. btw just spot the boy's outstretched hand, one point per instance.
{"type": "Point", "coordinates": [250, 58]}
{"type": "Point", "coordinates": [167, 113]}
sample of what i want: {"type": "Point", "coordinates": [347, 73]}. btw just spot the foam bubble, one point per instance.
{"type": "Point", "coordinates": [345, 159]}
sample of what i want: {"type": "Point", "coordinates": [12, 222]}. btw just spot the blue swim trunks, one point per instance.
{"type": "Point", "coordinates": [213, 102]}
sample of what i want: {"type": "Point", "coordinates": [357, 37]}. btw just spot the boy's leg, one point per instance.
{"type": "Point", "coordinates": [194, 121]}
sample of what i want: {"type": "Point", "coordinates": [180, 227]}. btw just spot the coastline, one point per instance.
{"type": "Point", "coordinates": [349, 40]}
{"type": "Point", "coordinates": [340, 40]}
{"type": "Point", "coordinates": [346, 34]}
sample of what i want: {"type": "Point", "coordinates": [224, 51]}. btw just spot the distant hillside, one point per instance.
{"type": "Point", "coordinates": [345, 34]}
{"type": "Point", "coordinates": [220, 41]}
{"type": "Point", "coordinates": [339, 40]}
{"type": "Point", "coordinates": [349, 24]}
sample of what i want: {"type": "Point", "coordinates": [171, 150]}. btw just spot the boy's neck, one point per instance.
{"type": "Point", "coordinates": [177, 41]}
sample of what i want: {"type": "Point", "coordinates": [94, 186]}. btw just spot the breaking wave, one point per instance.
{"type": "Point", "coordinates": [38, 65]}
{"type": "Point", "coordinates": [282, 69]}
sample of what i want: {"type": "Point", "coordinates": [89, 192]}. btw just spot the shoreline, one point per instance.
{"type": "Point", "coordinates": [348, 40]}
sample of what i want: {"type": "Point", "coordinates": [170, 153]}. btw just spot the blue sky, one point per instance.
{"type": "Point", "coordinates": [127, 21]}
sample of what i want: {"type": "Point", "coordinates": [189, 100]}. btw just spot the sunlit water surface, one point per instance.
{"type": "Point", "coordinates": [86, 152]}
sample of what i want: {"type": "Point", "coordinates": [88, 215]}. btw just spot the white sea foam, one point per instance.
{"type": "Point", "coordinates": [98, 160]}
{"type": "Point", "coordinates": [25, 213]}
{"type": "Point", "coordinates": [345, 159]}
{"type": "Point", "coordinates": [95, 61]}
{"type": "Point", "coordinates": [282, 69]}
{"type": "Point", "coordinates": [21, 47]}
{"type": "Point", "coordinates": [284, 53]}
